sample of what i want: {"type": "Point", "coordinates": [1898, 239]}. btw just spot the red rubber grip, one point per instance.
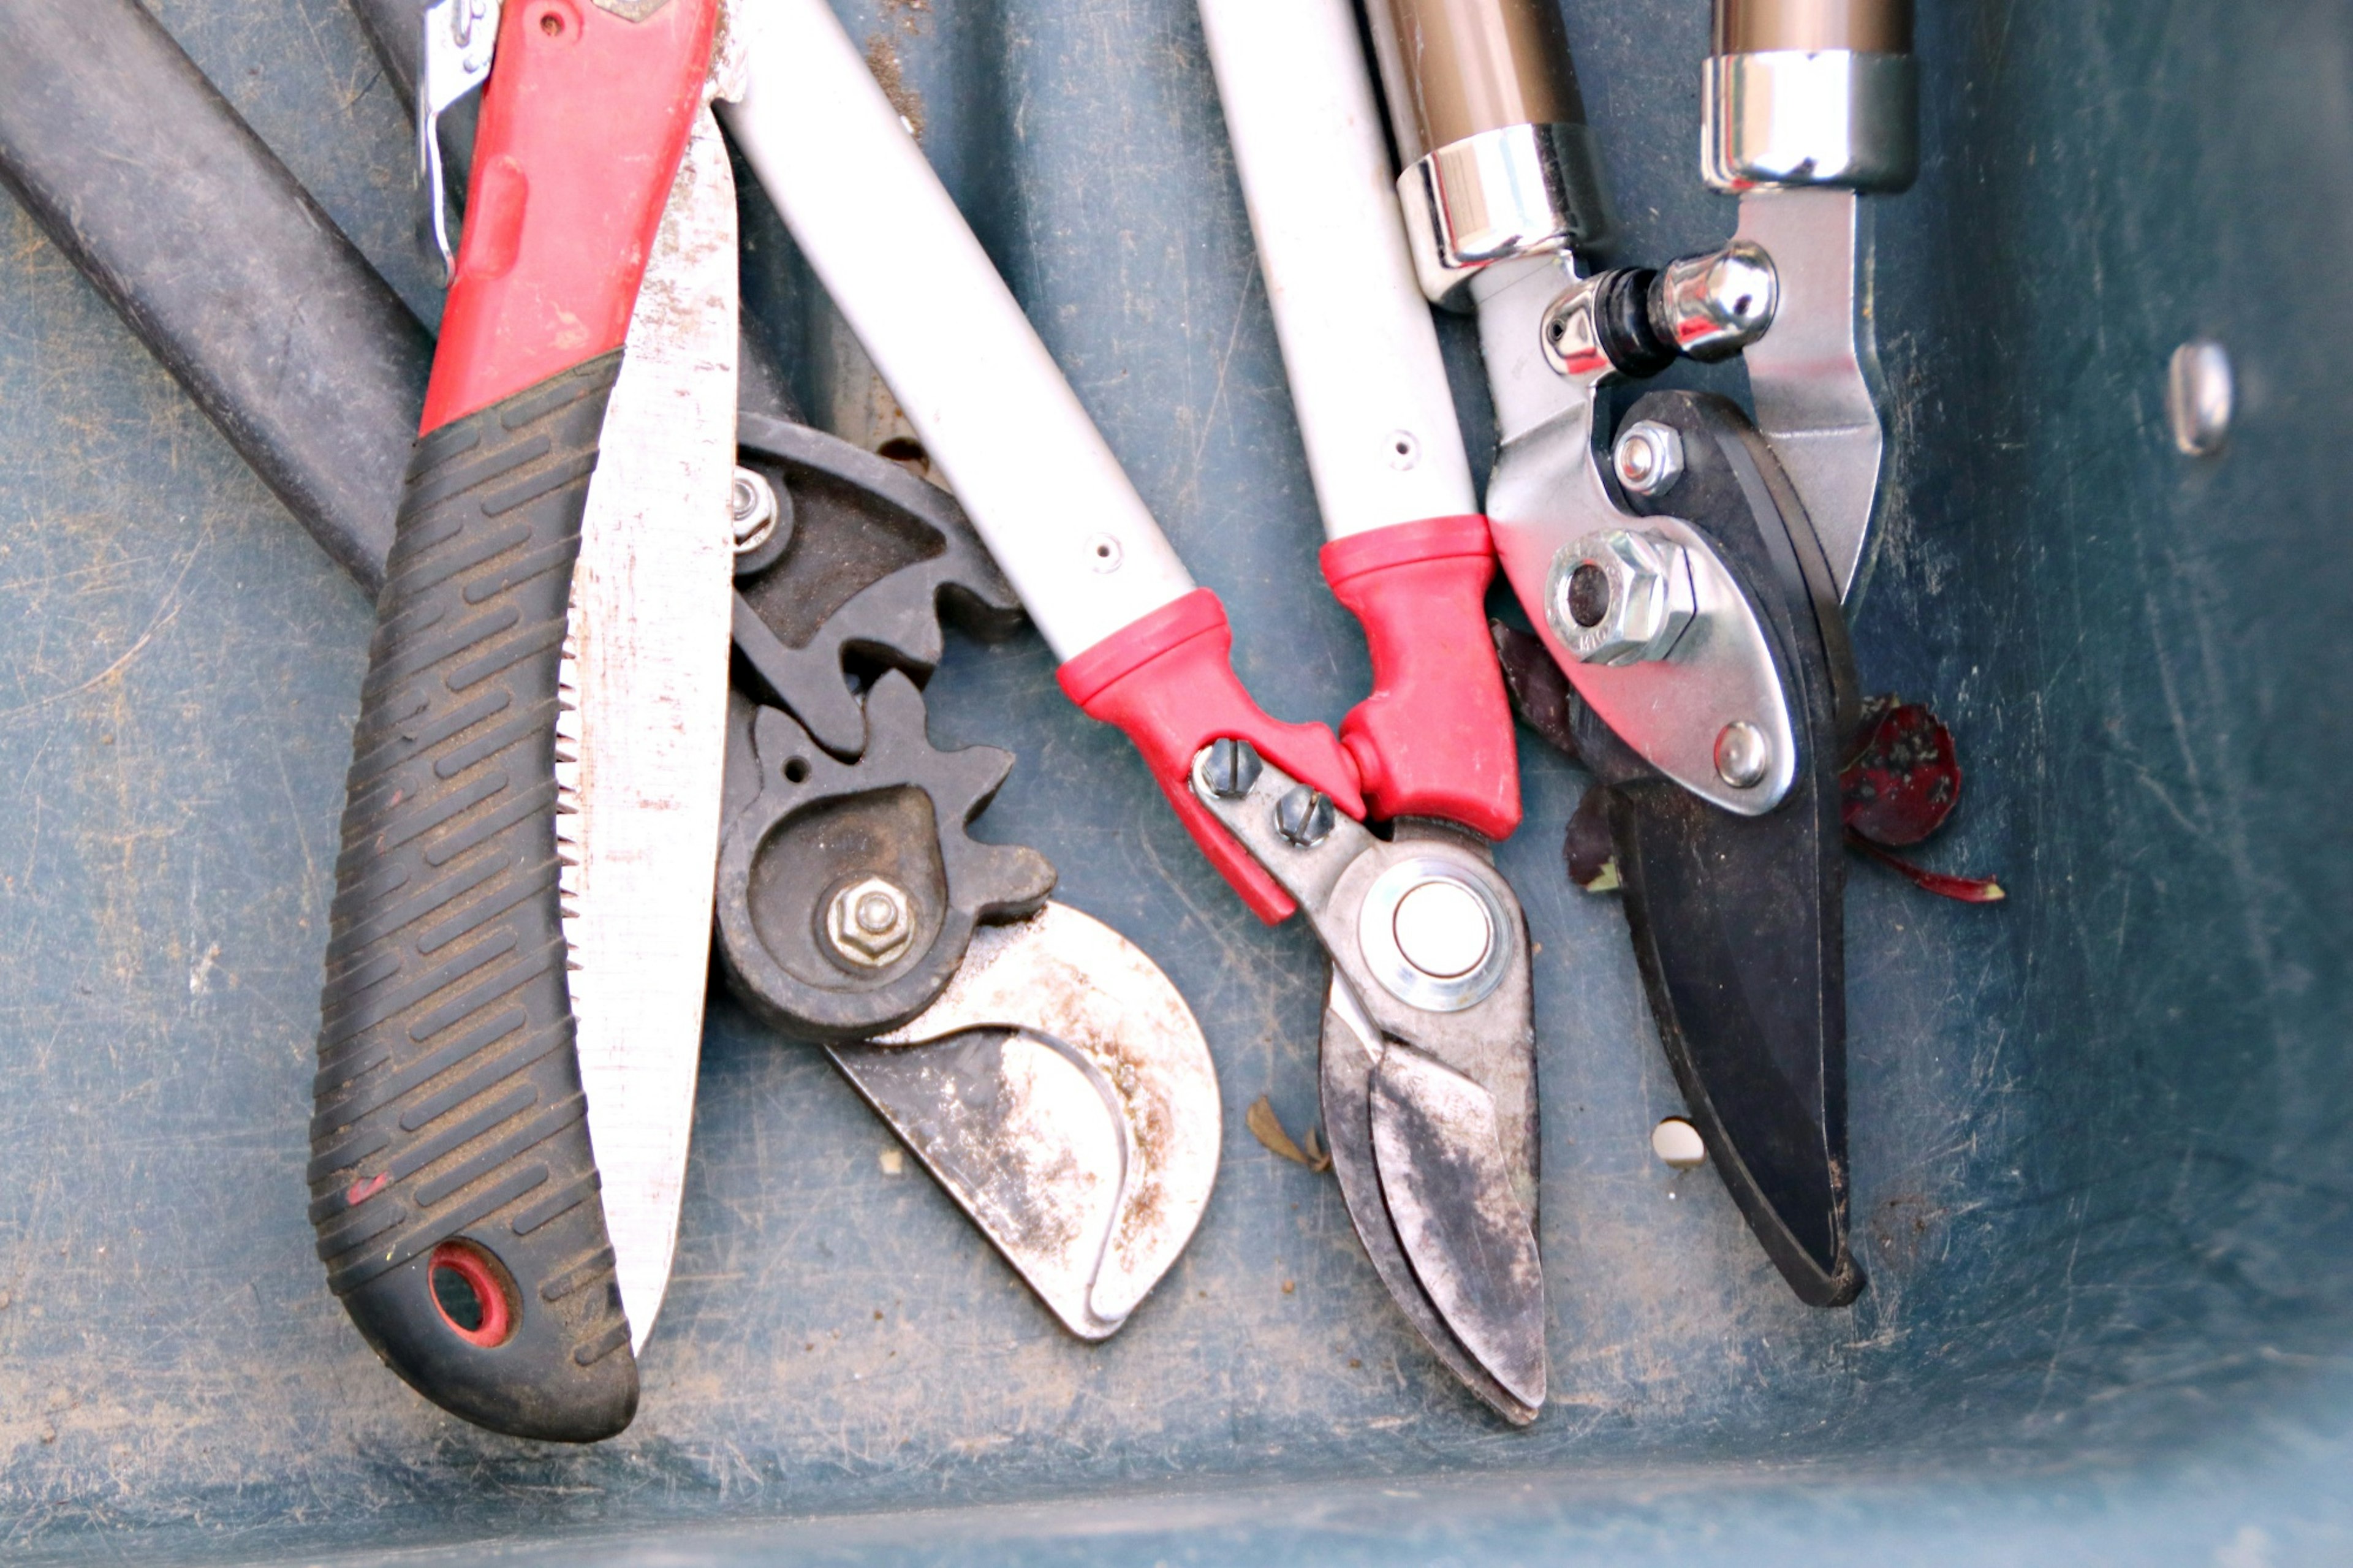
{"type": "Point", "coordinates": [584, 122]}
{"type": "Point", "coordinates": [1435, 738]}
{"type": "Point", "coordinates": [1167, 682]}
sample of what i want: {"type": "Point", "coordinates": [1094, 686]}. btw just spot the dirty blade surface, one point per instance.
{"type": "Point", "coordinates": [642, 733]}
{"type": "Point", "coordinates": [1062, 1093]}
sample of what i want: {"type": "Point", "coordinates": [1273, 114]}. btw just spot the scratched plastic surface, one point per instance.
{"type": "Point", "coordinates": [2102, 1168]}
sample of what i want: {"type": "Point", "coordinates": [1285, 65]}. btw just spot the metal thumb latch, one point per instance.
{"type": "Point", "coordinates": [461, 37]}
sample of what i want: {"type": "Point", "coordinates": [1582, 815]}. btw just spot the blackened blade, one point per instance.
{"type": "Point", "coordinates": [1737, 930]}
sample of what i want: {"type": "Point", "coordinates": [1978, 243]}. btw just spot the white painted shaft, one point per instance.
{"type": "Point", "coordinates": [992, 407]}
{"type": "Point", "coordinates": [1357, 339]}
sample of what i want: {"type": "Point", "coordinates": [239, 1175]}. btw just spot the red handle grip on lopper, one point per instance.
{"type": "Point", "coordinates": [1167, 682]}
{"type": "Point", "coordinates": [1435, 738]}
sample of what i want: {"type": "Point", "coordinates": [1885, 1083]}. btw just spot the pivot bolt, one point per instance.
{"type": "Point", "coordinates": [751, 505]}
{"type": "Point", "coordinates": [1442, 929]}
{"type": "Point", "coordinates": [1619, 597]}
{"type": "Point", "coordinates": [1304, 816]}
{"type": "Point", "coordinates": [871, 923]}
{"type": "Point", "coordinates": [1743, 755]}
{"type": "Point", "coordinates": [1649, 457]}
{"type": "Point", "coordinates": [1230, 768]}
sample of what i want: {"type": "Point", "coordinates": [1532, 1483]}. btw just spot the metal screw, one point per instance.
{"type": "Point", "coordinates": [1442, 929]}
{"type": "Point", "coordinates": [871, 923]}
{"type": "Point", "coordinates": [1649, 457]}
{"type": "Point", "coordinates": [1677, 1144]}
{"type": "Point", "coordinates": [2199, 397]}
{"type": "Point", "coordinates": [1230, 769]}
{"type": "Point", "coordinates": [752, 504]}
{"type": "Point", "coordinates": [1743, 754]}
{"type": "Point", "coordinates": [1304, 816]}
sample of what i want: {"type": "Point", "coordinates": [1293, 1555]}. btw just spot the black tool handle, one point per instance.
{"type": "Point", "coordinates": [454, 1190]}
{"type": "Point", "coordinates": [217, 259]}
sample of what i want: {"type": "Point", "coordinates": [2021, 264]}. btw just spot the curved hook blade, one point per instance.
{"type": "Point", "coordinates": [1061, 1091]}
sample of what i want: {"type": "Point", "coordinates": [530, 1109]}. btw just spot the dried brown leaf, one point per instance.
{"type": "Point", "coordinates": [1267, 1128]}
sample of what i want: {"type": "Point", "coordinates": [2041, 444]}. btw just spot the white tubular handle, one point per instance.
{"type": "Point", "coordinates": [991, 406]}
{"type": "Point", "coordinates": [1357, 339]}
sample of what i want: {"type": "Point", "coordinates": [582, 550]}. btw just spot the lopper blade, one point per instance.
{"type": "Point", "coordinates": [1062, 1093]}
{"type": "Point", "coordinates": [642, 724]}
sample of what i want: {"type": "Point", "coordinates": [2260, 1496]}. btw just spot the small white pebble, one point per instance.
{"type": "Point", "coordinates": [891, 1161]}
{"type": "Point", "coordinates": [1676, 1143]}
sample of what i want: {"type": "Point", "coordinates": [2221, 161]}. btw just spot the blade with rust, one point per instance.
{"type": "Point", "coordinates": [1062, 1093]}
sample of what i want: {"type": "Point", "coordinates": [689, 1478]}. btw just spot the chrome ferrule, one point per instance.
{"type": "Point", "coordinates": [1783, 118]}
{"type": "Point", "coordinates": [1515, 191]}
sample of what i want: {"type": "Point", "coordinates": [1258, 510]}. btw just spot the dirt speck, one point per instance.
{"type": "Point", "coordinates": [882, 59]}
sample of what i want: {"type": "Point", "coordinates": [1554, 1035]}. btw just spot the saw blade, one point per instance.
{"type": "Point", "coordinates": [641, 731]}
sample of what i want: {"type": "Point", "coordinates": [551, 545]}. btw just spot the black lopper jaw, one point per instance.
{"type": "Point", "coordinates": [1738, 922]}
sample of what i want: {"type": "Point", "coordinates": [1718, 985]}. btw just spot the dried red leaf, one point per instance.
{"type": "Point", "coordinates": [1588, 847]}
{"type": "Point", "coordinates": [1962, 890]}
{"type": "Point", "coordinates": [1906, 777]}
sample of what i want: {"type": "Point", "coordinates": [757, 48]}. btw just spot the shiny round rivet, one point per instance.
{"type": "Point", "coordinates": [1648, 458]}
{"type": "Point", "coordinates": [1677, 1144]}
{"type": "Point", "coordinates": [2199, 396]}
{"type": "Point", "coordinates": [1304, 816]}
{"type": "Point", "coordinates": [876, 914]}
{"type": "Point", "coordinates": [1442, 929]}
{"type": "Point", "coordinates": [752, 508]}
{"type": "Point", "coordinates": [1743, 754]}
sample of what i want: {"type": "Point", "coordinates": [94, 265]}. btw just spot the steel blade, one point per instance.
{"type": "Point", "coordinates": [1437, 1145]}
{"type": "Point", "coordinates": [642, 731]}
{"type": "Point", "coordinates": [1350, 1047]}
{"type": "Point", "coordinates": [1060, 1065]}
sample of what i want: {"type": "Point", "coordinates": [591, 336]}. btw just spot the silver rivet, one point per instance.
{"type": "Point", "coordinates": [2199, 397]}
{"type": "Point", "coordinates": [1649, 457]}
{"type": "Point", "coordinates": [1441, 928]}
{"type": "Point", "coordinates": [1104, 552]}
{"type": "Point", "coordinates": [1677, 1144]}
{"type": "Point", "coordinates": [870, 922]}
{"type": "Point", "coordinates": [752, 506]}
{"type": "Point", "coordinates": [1304, 816]}
{"type": "Point", "coordinates": [1404, 450]}
{"type": "Point", "coordinates": [1743, 754]}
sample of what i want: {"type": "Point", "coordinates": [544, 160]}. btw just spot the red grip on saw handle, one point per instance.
{"type": "Point", "coordinates": [584, 120]}
{"type": "Point", "coordinates": [1435, 738]}
{"type": "Point", "coordinates": [1167, 682]}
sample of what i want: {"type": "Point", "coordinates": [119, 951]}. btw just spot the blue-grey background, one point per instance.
{"type": "Point", "coordinates": [2103, 1176]}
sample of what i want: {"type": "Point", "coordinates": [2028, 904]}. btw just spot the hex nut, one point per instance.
{"type": "Point", "coordinates": [871, 923]}
{"type": "Point", "coordinates": [1618, 598]}
{"type": "Point", "coordinates": [1648, 458]}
